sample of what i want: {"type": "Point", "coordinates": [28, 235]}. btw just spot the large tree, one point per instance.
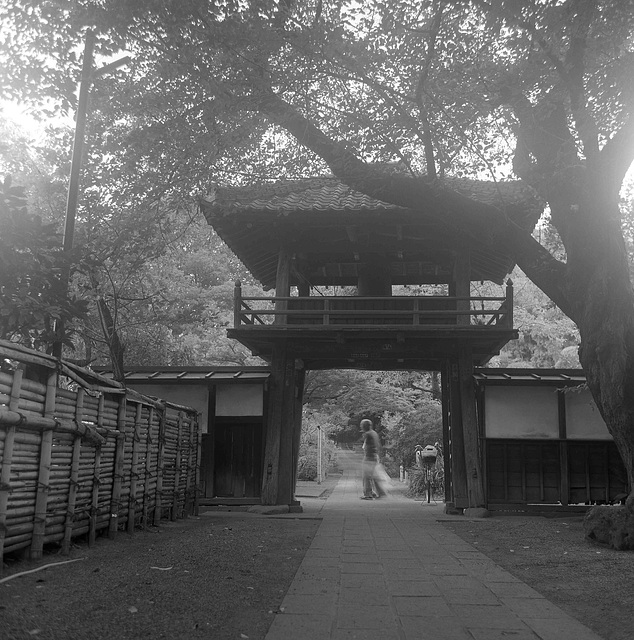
{"type": "Point", "coordinates": [542, 87]}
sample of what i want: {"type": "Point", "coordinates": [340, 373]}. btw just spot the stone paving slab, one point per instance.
{"type": "Point", "coordinates": [388, 570]}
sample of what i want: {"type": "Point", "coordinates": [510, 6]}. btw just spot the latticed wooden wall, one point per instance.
{"type": "Point", "coordinates": [79, 454]}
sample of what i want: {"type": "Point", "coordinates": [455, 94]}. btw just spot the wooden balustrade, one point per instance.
{"type": "Point", "coordinates": [344, 311]}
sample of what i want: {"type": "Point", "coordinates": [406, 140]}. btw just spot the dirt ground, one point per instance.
{"type": "Point", "coordinates": [590, 582]}
{"type": "Point", "coordinates": [158, 584]}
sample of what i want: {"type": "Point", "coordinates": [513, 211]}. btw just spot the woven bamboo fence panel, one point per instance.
{"type": "Point", "coordinates": [81, 455]}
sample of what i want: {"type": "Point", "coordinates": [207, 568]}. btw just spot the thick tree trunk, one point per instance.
{"type": "Point", "coordinates": [606, 326]}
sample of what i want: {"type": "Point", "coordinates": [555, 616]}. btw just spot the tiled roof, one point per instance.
{"type": "Point", "coordinates": [329, 194]}
{"type": "Point", "coordinates": [329, 225]}
{"type": "Point", "coordinates": [319, 194]}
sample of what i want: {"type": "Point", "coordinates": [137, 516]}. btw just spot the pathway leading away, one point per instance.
{"type": "Point", "coordinates": [388, 570]}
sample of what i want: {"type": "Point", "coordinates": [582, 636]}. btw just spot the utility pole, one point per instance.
{"type": "Point", "coordinates": [87, 76]}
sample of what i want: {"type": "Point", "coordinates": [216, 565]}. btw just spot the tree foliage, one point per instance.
{"type": "Point", "coordinates": [32, 294]}
{"type": "Point", "coordinates": [238, 91]}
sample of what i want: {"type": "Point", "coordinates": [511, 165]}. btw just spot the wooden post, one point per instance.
{"type": "Point", "coordinates": [188, 477]}
{"type": "Point", "coordinates": [564, 480]}
{"type": "Point", "coordinates": [177, 469]}
{"type": "Point", "coordinates": [475, 480]}
{"type": "Point", "coordinates": [458, 465]}
{"type": "Point", "coordinates": [94, 502]}
{"type": "Point", "coordinates": [73, 487]}
{"type": "Point", "coordinates": [74, 475]}
{"type": "Point", "coordinates": [509, 304]}
{"type": "Point", "coordinates": [282, 284]}
{"type": "Point", "coordinates": [160, 464]}
{"type": "Point", "coordinates": [134, 468]}
{"type": "Point", "coordinates": [278, 448]}
{"type": "Point", "coordinates": [44, 473]}
{"type": "Point", "coordinates": [300, 379]}
{"type": "Point", "coordinates": [198, 445]}
{"type": "Point", "coordinates": [446, 447]}
{"type": "Point", "coordinates": [7, 460]}
{"type": "Point", "coordinates": [462, 280]}
{"type": "Point", "coordinates": [148, 465]}
{"type": "Point", "coordinates": [237, 303]}
{"type": "Point", "coordinates": [117, 478]}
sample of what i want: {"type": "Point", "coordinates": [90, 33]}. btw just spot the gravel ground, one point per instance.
{"type": "Point", "coordinates": [592, 583]}
{"type": "Point", "coordinates": [219, 575]}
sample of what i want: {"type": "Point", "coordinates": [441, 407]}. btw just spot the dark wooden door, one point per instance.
{"type": "Point", "coordinates": [237, 459]}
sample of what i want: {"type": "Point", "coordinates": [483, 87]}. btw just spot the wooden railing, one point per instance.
{"type": "Point", "coordinates": [393, 311]}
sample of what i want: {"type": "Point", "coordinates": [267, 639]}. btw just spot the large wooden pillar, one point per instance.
{"type": "Point", "coordinates": [466, 465]}
{"type": "Point", "coordinates": [284, 408]}
{"type": "Point", "coordinates": [460, 287]}
{"type": "Point", "coordinates": [470, 436]}
{"type": "Point", "coordinates": [456, 439]}
{"type": "Point", "coordinates": [446, 436]}
{"type": "Point", "coordinates": [300, 379]}
{"type": "Point", "coordinates": [279, 468]}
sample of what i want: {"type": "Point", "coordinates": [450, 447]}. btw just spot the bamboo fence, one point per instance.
{"type": "Point", "coordinates": [81, 455]}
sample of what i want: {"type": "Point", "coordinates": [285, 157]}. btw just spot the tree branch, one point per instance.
{"type": "Point", "coordinates": [428, 143]}
{"type": "Point", "coordinates": [575, 65]}
{"type": "Point", "coordinates": [484, 223]}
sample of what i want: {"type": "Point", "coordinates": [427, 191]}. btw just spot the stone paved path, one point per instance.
{"type": "Point", "coordinates": [388, 570]}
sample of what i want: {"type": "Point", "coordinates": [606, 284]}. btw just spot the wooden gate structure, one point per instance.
{"type": "Point", "coordinates": [307, 239]}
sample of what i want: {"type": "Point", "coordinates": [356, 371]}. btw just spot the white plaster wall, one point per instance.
{"type": "Point", "coordinates": [239, 400]}
{"type": "Point", "coordinates": [521, 412]}
{"type": "Point", "coordinates": [195, 396]}
{"type": "Point", "coordinates": [583, 420]}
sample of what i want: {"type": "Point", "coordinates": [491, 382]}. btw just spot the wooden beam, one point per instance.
{"type": "Point", "coordinates": [277, 476]}
{"type": "Point", "coordinates": [473, 461]}
{"type": "Point", "coordinates": [300, 379]}
{"type": "Point", "coordinates": [446, 447]}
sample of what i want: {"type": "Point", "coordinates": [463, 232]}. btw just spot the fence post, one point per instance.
{"type": "Point", "coordinates": [177, 467]}
{"type": "Point", "coordinates": [44, 473]}
{"type": "Point", "coordinates": [74, 476]}
{"type": "Point", "coordinates": [189, 499]}
{"type": "Point", "coordinates": [134, 469]}
{"type": "Point", "coordinates": [117, 477]}
{"type": "Point", "coordinates": [94, 503]}
{"type": "Point", "coordinates": [197, 451]}
{"type": "Point", "coordinates": [7, 460]}
{"type": "Point", "coordinates": [160, 462]}
{"type": "Point", "coordinates": [148, 464]}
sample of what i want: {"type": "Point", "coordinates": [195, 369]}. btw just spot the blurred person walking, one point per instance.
{"type": "Point", "coordinates": [369, 470]}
